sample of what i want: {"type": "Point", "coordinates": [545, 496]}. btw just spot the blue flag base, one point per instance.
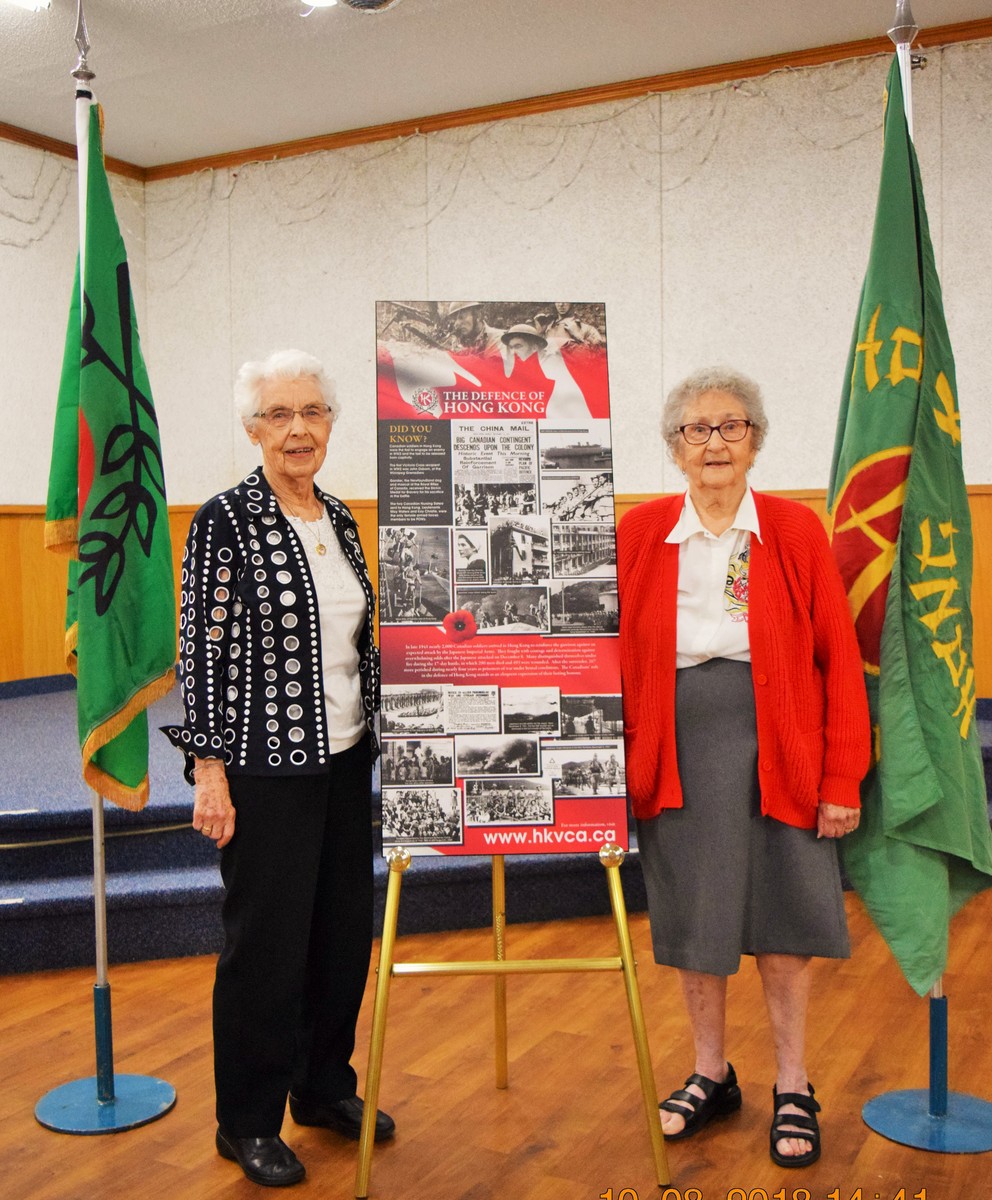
{"type": "Point", "coordinates": [76, 1107]}
{"type": "Point", "coordinates": [905, 1117]}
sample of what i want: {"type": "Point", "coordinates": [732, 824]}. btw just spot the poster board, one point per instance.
{"type": "Point", "coordinates": [502, 726]}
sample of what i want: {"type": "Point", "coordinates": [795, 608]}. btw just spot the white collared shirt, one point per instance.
{"type": "Point", "coordinates": [713, 585]}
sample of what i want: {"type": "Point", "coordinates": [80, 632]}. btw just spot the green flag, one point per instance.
{"type": "Point", "coordinates": [106, 505]}
{"type": "Point", "coordinates": [901, 533]}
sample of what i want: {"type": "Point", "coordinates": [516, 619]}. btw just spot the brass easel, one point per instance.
{"type": "Point", "coordinates": [611, 856]}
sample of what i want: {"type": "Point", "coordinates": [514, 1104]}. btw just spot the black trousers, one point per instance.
{"type": "Point", "coordinates": [298, 938]}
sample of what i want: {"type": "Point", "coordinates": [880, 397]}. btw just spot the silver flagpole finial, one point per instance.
{"type": "Point", "coordinates": [82, 74]}
{"type": "Point", "coordinates": [905, 28]}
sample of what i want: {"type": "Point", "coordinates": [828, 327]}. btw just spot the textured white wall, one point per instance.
{"type": "Point", "coordinates": [39, 239]}
{"type": "Point", "coordinates": [727, 224]}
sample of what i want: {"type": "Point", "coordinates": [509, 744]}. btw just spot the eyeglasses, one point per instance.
{"type": "Point", "coordinates": [282, 418]}
{"type": "Point", "coordinates": [698, 434]}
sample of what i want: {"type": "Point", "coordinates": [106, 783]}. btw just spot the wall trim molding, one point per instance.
{"type": "Point", "coordinates": [940, 35]}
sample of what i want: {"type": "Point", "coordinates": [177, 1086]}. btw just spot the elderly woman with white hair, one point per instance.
{"type": "Point", "coordinates": [280, 680]}
{"type": "Point", "coordinates": [747, 731]}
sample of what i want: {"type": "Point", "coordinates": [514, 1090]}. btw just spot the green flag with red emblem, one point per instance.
{"type": "Point", "coordinates": [106, 503]}
{"type": "Point", "coordinates": [901, 534]}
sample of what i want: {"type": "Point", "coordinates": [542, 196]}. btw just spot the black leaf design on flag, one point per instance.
{"type": "Point", "coordinates": [129, 507]}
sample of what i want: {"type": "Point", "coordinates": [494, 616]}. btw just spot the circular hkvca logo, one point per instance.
{"type": "Point", "coordinates": [425, 399]}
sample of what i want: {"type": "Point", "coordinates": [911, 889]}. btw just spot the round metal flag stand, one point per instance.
{"type": "Point", "coordinates": [965, 1127]}
{"type": "Point", "coordinates": [76, 1107]}
{"type": "Point", "coordinates": [935, 1119]}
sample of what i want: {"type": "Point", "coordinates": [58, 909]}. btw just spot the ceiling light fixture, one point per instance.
{"type": "Point", "coordinates": [370, 6]}
{"type": "Point", "coordinates": [31, 5]}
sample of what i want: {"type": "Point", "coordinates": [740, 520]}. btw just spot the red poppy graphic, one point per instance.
{"type": "Point", "coordinates": [460, 625]}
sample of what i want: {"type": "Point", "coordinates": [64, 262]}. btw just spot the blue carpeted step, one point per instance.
{"type": "Point", "coordinates": [28, 854]}
{"type": "Point", "coordinates": [47, 924]}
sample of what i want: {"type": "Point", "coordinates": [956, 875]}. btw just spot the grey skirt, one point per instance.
{"type": "Point", "coordinates": [721, 879]}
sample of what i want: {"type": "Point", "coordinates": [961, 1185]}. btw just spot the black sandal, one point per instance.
{"type": "Point", "coordinates": [792, 1125]}
{"type": "Point", "coordinates": [719, 1100]}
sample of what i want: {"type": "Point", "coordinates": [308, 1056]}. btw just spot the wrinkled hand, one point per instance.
{"type": "Point", "coordinates": [834, 820]}
{"type": "Point", "coordinates": [213, 812]}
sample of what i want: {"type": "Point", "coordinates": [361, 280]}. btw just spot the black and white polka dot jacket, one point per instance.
{"type": "Point", "coordinates": [249, 659]}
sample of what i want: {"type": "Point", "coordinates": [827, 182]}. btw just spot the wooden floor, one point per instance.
{"type": "Point", "coordinates": [571, 1124]}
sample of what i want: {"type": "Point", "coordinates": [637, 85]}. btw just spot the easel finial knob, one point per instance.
{"type": "Point", "coordinates": [611, 855]}
{"type": "Point", "coordinates": [398, 859]}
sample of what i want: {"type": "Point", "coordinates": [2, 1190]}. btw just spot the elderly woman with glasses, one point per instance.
{"type": "Point", "coordinates": [280, 683]}
{"type": "Point", "coordinates": [747, 733]}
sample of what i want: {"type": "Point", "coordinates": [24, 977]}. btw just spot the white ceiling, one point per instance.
{"type": "Point", "coordinates": [183, 79]}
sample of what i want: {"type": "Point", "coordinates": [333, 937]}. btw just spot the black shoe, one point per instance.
{"type": "Point", "coordinates": [268, 1161]}
{"type": "Point", "coordinates": [792, 1125]}
{"type": "Point", "coordinates": [718, 1100]}
{"type": "Point", "coordinates": [344, 1116]}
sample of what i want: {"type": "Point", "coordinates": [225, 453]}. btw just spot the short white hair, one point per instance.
{"type": "Point", "coordinates": [282, 364]}
{"type": "Point", "coordinates": [714, 379]}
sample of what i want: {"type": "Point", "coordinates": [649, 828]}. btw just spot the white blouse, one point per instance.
{"type": "Point", "coordinates": [342, 606]}
{"type": "Point", "coordinates": [713, 586]}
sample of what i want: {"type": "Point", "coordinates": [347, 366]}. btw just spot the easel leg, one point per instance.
{"type": "Point", "coordinates": [499, 953]}
{"type": "Point", "coordinates": [611, 857]}
{"type": "Point", "coordinates": [399, 860]}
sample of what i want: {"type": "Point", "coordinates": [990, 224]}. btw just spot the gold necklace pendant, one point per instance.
{"type": "Point", "coordinates": [318, 546]}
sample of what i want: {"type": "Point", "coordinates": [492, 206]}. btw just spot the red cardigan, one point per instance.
{"type": "Point", "coordinates": [814, 737]}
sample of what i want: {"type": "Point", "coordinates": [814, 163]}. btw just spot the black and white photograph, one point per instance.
{"type": "Point", "coordinates": [531, 710]}
{"type": "Point", "coordinates": [412, 708]}
{"type": "Point", "coordinates": [576, 446]}
{"type": "Point", "coordinates": [585, 608]}
{"type": "Point", "coordinates": [496, 754]}
{"type": "Point", "coordinates": [591, 716]}
{"type": "Point", "coordinates": [578, 497]}
{"type": "Point", "coordinates": [509, 802]}
{"type": "Point", "coordinates": [475, 502]}
{"type": "Point", "coordinates": [470, 549]}
{"type": "Point", "coordinates": [421, 816]}
{"type": "Point", "coordinates": [507, 609]}
{"type": "Point", "coordinates": [519, 549]}
{"type": "Point", "coordinates": [414, 574]}
{"type": "Point", "coordinates": [583, 550]}
{"type": "Point", "coordinates": [417, 760]}
{"type": "Point", "coordinates": [585, 769]}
